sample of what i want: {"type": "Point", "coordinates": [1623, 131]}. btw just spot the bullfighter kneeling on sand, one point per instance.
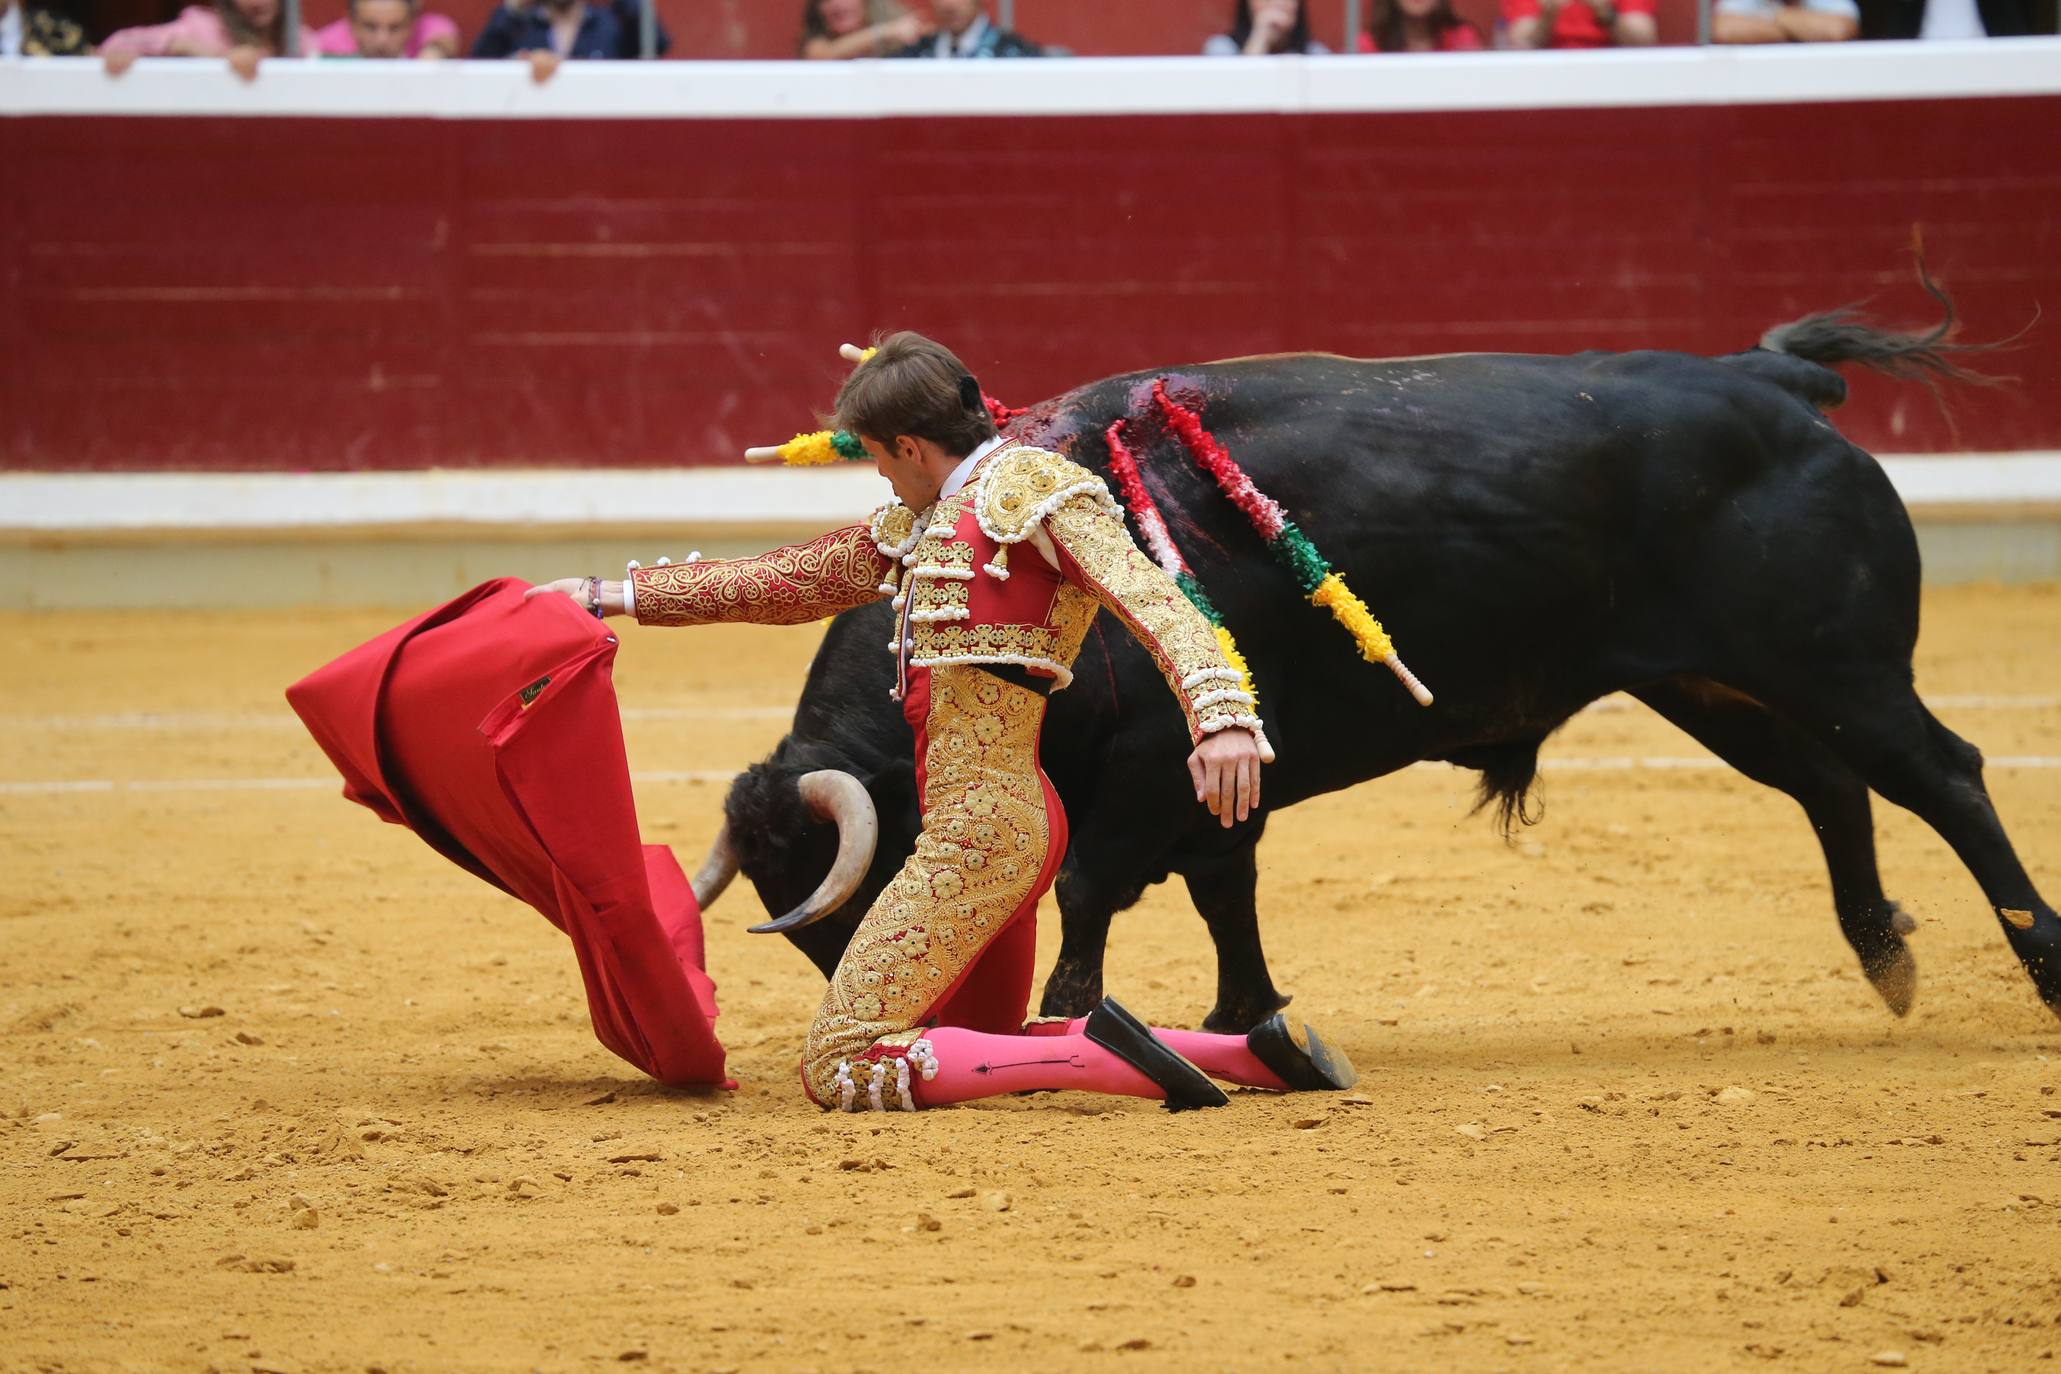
{"type": "Point", "coordinates": [997, 556]}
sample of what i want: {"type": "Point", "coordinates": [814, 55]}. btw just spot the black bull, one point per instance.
{"type": "Point", "coordinates": [1536, 532]}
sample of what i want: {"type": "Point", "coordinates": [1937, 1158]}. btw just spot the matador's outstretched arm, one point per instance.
{"type": "Point", "coordinates": [788, 586]}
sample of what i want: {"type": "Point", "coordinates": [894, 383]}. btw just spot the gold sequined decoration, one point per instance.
{"type": "Point", "coordinates": [934, 598]}
{"type": "Point", "coordinates": [789, 586]}
{"type": "Point", "coordinates": [894, 529]}
{"type": "Point", "coordinates": [979, 854]}
{"type": "Point", "coordinates": [1019, 485]}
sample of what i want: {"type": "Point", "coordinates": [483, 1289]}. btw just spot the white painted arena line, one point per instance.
{"type": "Point", "coordinates": [286, 720]}
{"type": "Point", "coordinates": [282, 720]}
{"type": "Point", "coordinates": [1599, 763]}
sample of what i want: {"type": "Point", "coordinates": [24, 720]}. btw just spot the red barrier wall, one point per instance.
{"type": "Point", "coordinates": [260, 293]}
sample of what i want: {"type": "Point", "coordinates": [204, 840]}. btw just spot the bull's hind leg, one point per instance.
{"type": "Point", "coordinates": [1879, 726]}
{"type": "Point", "coordinates": [1771, 750]}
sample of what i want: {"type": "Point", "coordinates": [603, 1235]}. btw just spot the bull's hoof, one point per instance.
{"type": "Point", "coordinates": [2035, 935]}
{"type": "Point", "coordinates": [1236, 1018]}
{"type": "Point", "coordinates": [1069, 998]}
{"type": "Point", "coordinates": [1895, 975]}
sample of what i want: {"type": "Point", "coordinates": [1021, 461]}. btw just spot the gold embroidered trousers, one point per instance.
{"type": "Point", "coordinates": [950, 941]}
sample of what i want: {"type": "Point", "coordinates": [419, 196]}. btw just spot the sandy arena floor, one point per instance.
{"type": "Point", "coordinates": [1627, 1103]}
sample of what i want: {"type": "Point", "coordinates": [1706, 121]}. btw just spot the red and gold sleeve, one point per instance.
{"type": "Point", "coordinates": [789, 586]}
{"type": "Point", "coordinates": [1097, 553]}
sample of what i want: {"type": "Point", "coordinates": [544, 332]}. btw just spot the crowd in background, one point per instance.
{"type": "Point", "coordinates": [547, 32]}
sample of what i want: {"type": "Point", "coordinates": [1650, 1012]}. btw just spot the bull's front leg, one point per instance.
{"type": "Point", "coordinates": [1223, 885]}
{"type": "Point", "coordinates": [1087, 901]}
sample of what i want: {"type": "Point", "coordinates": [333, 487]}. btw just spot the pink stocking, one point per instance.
{"type": "Point", "coordinates": [1219, 1056]}
{"type": "Point", "coordinates": [972, 1065]}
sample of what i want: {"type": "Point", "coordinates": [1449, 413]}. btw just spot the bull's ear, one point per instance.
{"type": "Point", "coordinates": [764, 814]}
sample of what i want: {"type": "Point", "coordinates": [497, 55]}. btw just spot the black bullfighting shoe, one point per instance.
{"type": "Point", "coordinates": [1132, 1041]}
{"type": "Point", "coordinates": [1299, 1057]}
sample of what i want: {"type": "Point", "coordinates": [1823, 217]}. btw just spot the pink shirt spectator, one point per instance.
{"type": "Point", "coordinates": [197, 32]}
{"type": "Point", "coordinates": [335, 39]}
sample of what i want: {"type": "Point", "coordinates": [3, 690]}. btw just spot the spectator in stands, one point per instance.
{"type": "Point", "coordinates": [833, 30]}
{"type": "Point", "coordinates": [1266, 28]}
{"type": "Point", "coordinates": [244, 31]}
{"type": "Point", "coordinates": [1784, 21]}
{"type": "Point", "coordinates": [1937, 19]}
{"type": "Point", "coordinates": [547, 32]}
{"type": "Point", "coordinates": [1579, 23]}
{"type": "Point", "coordinates": [963, 30]}
{"type": "Point", "coordinates": [389, 29]}
{"type": "Point", "coordinates": [29, 32]}
{"type": "Point", "coordinates": [1418, 26]}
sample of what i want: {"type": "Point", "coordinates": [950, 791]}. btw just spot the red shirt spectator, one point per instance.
{"type": "Point", "coordinates": [1580, 23]}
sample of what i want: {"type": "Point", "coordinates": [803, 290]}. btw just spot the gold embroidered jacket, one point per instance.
{"type": "Point", "coordinates": [964, 591]}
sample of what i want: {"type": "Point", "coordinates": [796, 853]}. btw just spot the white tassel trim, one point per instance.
{"type": "Point", "coordinates": [1251, 723]}
{"type": "Point", "coordinates": [877, 1080]}
{"type": "Point", "coordinates": [996, 571]}
{"type": "Point", "coordinates": [941, 613]}
{"type": "Point", "coordinates": [1092, 487]}
{"type": "Point", "coordinates": [846, 1089]}
{"type": "Point", "coordinates": [888, 589]}
{"type": "Point", "coordinates": [902, 1085]}
{"type": "Point", "coordinates": [1062, 676]}
{"type": "Point", "coordinates": [1223, 694]}
{"type": "Point", "coordinates": [924, 1056]}
{"type": "Point", "coordinates": [897, 602]}
{"type": "Point", "coordinates": [1202, 675]}
{"type": "Point", "coordinates": [933, 570]}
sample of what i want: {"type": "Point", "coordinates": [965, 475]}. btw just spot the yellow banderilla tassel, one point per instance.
{"type": "Point", "coordinates": [1375, 645]}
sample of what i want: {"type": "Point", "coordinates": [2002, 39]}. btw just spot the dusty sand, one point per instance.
{"type": "Point", "coordinates": [399, 1146]}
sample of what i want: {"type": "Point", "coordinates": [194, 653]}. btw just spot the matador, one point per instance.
{"type": "Point", "coordinates": [996, 556]}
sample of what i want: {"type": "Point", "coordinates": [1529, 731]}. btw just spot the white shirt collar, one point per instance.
{"type": "Point", "coordinates": [967, 43]}
{"type": "Point", "coordinates": [955, 483]}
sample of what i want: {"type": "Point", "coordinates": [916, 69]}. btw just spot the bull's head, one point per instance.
{"type": "Point", "coordinates": [819, 844]}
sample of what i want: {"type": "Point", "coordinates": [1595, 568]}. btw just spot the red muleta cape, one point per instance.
{"type": "Point", "coordinates": [489, 727]}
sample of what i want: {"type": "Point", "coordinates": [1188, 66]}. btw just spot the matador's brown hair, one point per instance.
{"type": "Point", "coordinates": [914, 385]}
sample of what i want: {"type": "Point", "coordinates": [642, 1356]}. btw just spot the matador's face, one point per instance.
{"type": "Point", "coordinates": [902, 464]}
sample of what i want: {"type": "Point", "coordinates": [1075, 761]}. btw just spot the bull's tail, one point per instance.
{"type": "Point", "coordinates": [1846, 335]}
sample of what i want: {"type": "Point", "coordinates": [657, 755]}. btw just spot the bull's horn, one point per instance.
{"type": "Point", "coordinates": [834, 796]}
{"type": "Point", "coordinates": [764, 453]}
{"type": "Point", "coordinates": [716, 870]}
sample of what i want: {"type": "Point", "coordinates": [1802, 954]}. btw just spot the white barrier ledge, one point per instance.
{"type": "Point", "coordinates": [1791, 74]}
{"type": "Point", "coordinates": [83, 503]}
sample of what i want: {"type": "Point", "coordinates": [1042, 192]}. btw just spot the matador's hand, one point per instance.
{"type": "Point", "coordinates": [582, 592]}
{"type": "Point", "coordinates": [1226, 770]}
